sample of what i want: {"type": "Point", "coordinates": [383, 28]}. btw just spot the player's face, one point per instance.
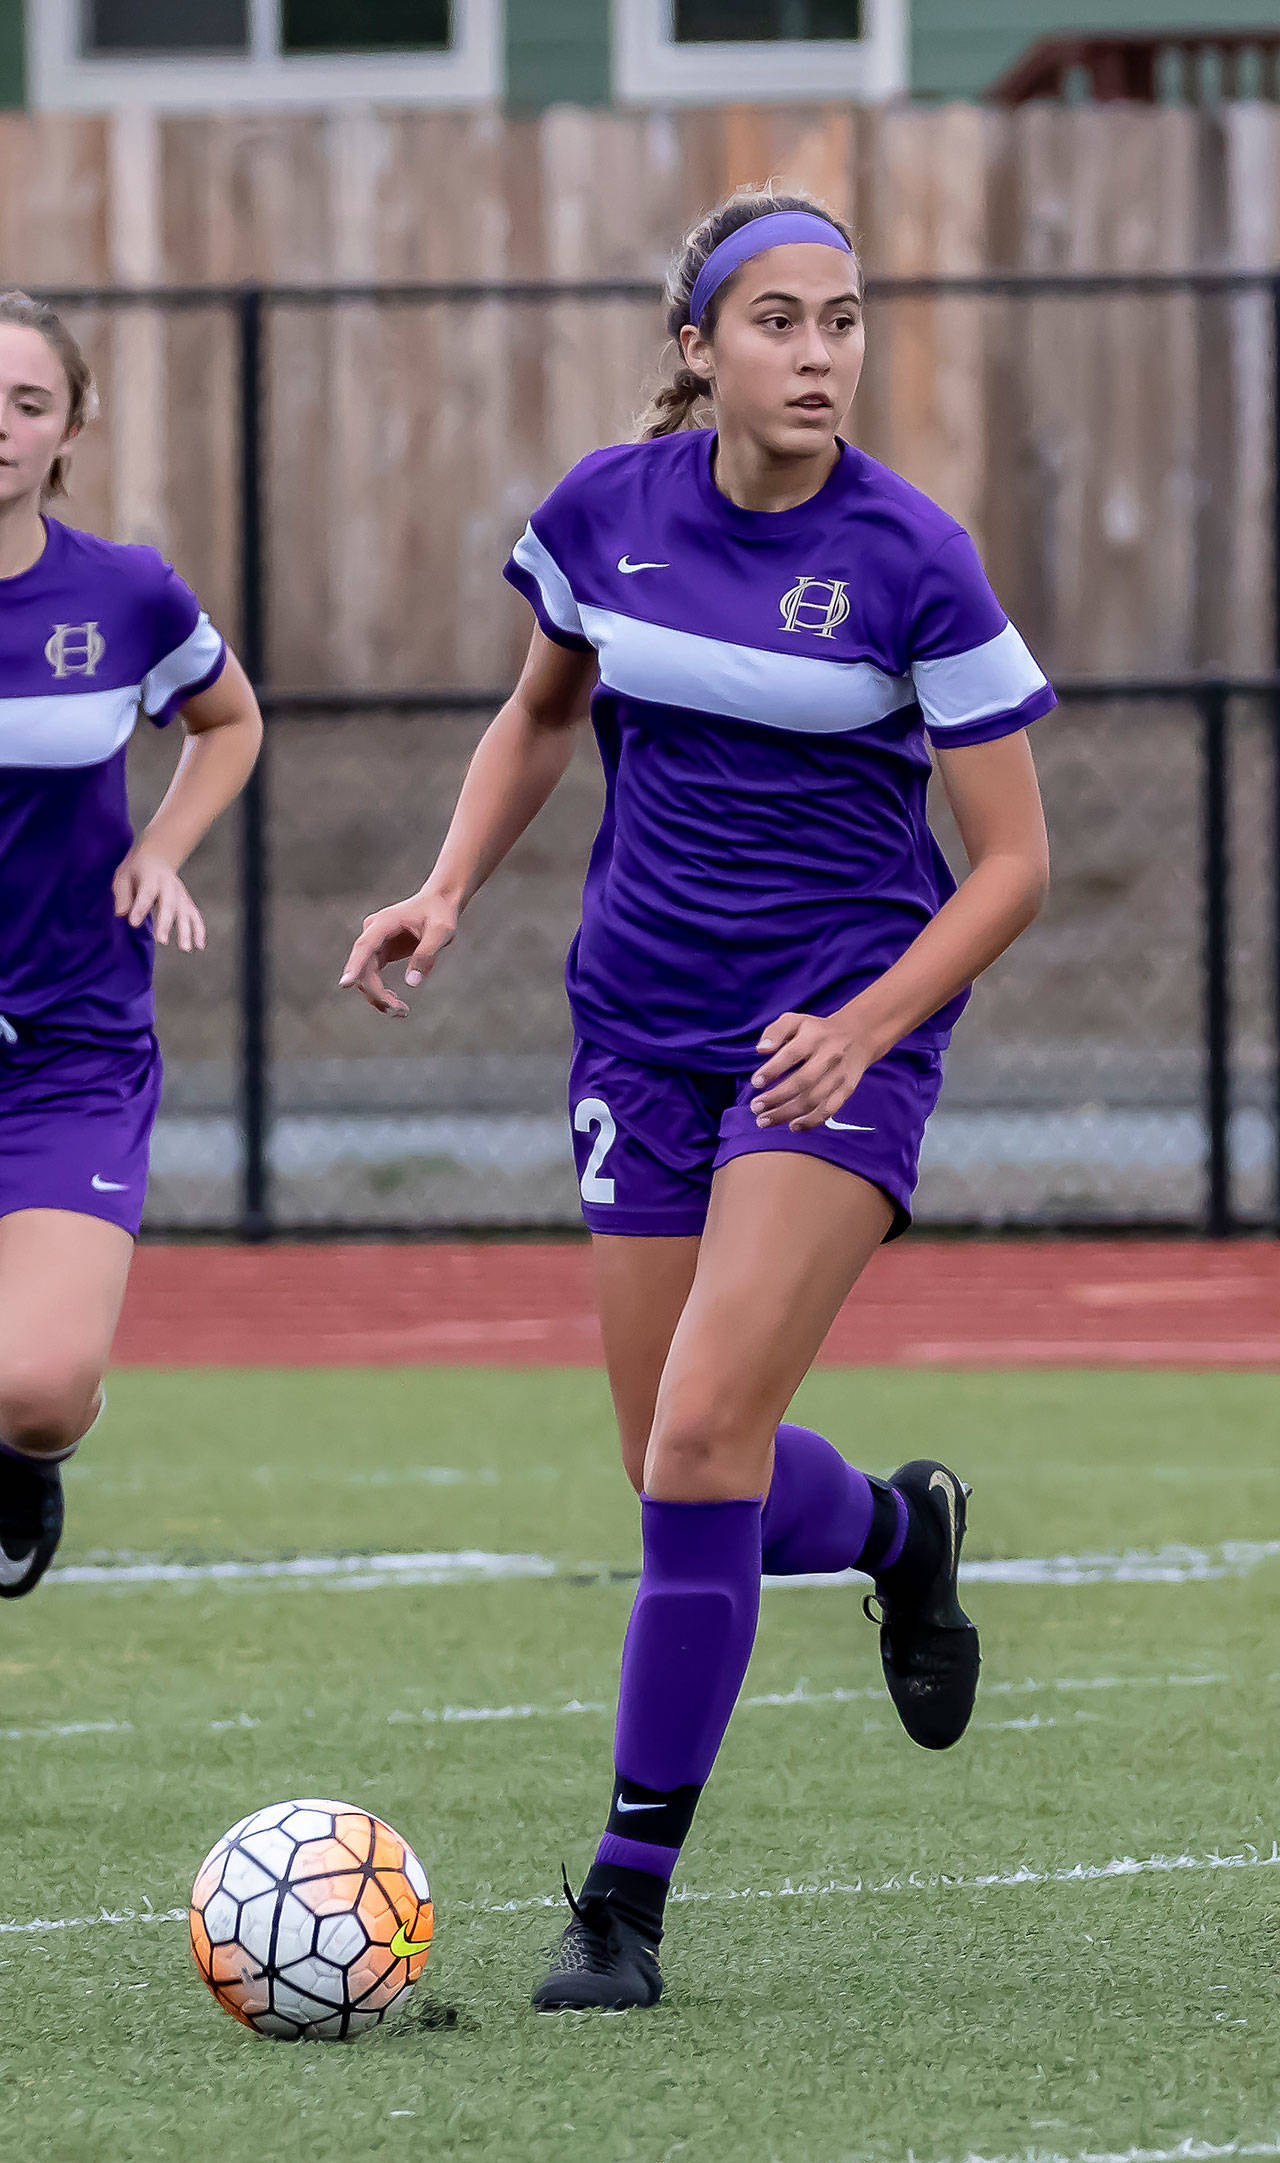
{"type": "Point", "coordinates": [35, 398]}
{"type": "Point", "coordinates": [787, 348]}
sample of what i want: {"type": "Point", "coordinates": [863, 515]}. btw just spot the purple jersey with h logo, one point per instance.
{"type": "Point", "coordinates": [90, 636]}
{"type": "Point", "coordinates": [769, 686]}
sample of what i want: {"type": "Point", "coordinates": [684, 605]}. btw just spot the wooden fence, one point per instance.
{"type": "Point", "coordinates": [1113, 456]}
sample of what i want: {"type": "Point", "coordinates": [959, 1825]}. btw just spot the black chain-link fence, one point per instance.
{"type": "Point", "coordinates": [1118, 1067]}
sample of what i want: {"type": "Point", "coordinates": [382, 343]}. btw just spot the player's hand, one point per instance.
{"type": "Point", "coordinates": [815, 1065]}
{"type": "Point", "coordinates": [146, 885]}
{"type": "Point", "coordinates": [416, 930]}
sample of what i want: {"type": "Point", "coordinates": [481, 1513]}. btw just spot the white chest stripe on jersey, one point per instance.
{"type": "Point", "coordinates": [73, 729]}
{"type": "Point", "coordinates": [748, 683]}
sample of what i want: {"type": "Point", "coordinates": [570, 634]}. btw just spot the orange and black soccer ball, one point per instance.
{"type": "Point", "coordinates": [310, 1919]}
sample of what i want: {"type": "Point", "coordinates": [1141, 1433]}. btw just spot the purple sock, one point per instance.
{"type": "Point", "coordinates": [686, 1651]}
{"type": "Point", "coordinates": [821, 1513]}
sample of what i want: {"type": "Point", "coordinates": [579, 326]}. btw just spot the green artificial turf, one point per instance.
{"type": "Point", "coordinates": [828, 1997]}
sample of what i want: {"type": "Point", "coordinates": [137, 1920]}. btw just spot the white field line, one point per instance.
{"type": "Point", "coordinates": [465, 1715]}
{"type": "Point", "coordinates": [446, 1715]}
{"type": "Point", "coordinates": [465, 1566]}
{"type": "Point", "coordinates": [1189, 2150]}
{"type": "Point", "coordinates": [858, 1888]}
{"type": "Point", "coordinates": [1172, 1565]}
{"type": "Point", "coordinates": [71, 1727]}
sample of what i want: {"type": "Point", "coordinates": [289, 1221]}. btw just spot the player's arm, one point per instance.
{"type": "Point", "coordinates": [817, 1062]}
{"type": "Point", "coordinates": [518, 761]}
{"type": "Point", "coordinates": [995, 801]}
{"type": "Point", "coordinates": [224, 734]}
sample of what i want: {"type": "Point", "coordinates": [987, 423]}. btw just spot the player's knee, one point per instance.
{"type": "Point", "coordinates": [45, 1406]}
{"type": "Point", "coordinates": [634, 1448]}
{"type": "Point", "coordinates": [697, 1450]}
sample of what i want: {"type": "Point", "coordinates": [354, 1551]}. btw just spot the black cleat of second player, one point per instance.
{"type": "Point", "coordinates": [31, 1516]}
{"type": "Point", "coordinates": [928, 1645]}
{"type": "Point", "coordinates": [603, 1965]}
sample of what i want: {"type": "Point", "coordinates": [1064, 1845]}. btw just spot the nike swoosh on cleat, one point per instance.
{"type": "Point", "coordinates": [11, 1572]}
{"type": "Point", "coordinates": [846, 1126]}
{"type": "Point", "coordinates": [948, 1486]}
{"type": "Point", "coordinates": [625, 564]}
{"type": "Point", "coordinates": [108, 1186]}
{"type": "Point", "coordinates": [620, 1805]}
{"type": "Point", "coordinates": [404, 1947]}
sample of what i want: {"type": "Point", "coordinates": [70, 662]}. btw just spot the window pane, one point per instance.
{"type": "Point", "coordinates": [366, 26]}
{"type": "Point", "coordinates": [707, 21]}
{"type": "Point", "coordinates": [160, 26]}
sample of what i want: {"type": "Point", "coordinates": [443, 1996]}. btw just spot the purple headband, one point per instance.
{"type": "Point", "coordinates": [777, 229]}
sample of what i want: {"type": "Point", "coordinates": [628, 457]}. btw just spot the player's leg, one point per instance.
{"type": "Point", "coordinates": [821, 1514]}
{"type": "Point", "coordinates": [785, 1239]}
{"type": "Point", "coordinates": [641, 1289]}
{"type": "Point", "coordinates": [646, 1140]}
{"type": "Point", "coordinates": [62, 1282]}
{"type": "Point", "coordinates": [818, 1504]}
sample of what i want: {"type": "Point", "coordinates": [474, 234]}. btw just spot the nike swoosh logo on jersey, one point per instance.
{"type": "Point", "coordinates": [403, 1947]}
{"type": "Point", "coordinates": [11, 1572]}
{"type": "Point", "coordinates": [948, 1486]}
{"type": "Point", "coordinates": [625, 564]}
{"type": "Point", "coordinates": [108, 1186]}
{"type": "Point", "coordinates": [846, 1126]}
{"type": "Point", "coordinates": [620, 1805]}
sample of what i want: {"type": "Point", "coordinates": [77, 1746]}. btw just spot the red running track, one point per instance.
{"type": "Point", "coordinates": [923, 1302]}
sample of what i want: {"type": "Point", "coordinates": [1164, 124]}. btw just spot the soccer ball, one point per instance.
{"type": "Point", "coordinates": [309, 1919]}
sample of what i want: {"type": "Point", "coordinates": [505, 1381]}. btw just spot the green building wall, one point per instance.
{"type": "Point", "coordinates": [558, 53]}
{"type": "Point", "coordinates": [12, 54]}
{"type": "Point", "coordinates": [959, 47]}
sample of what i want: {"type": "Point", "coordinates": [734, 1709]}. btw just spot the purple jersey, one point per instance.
{"type": "Point", "coordinates": [92, 634]}
{"type": "Point", "coordinates": [769, 686]}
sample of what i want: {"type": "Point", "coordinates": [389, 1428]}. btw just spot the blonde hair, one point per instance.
{"type": "Point", "coordinates": [29, 314]}
{"type": "Point", "coordinates": [673, 405]}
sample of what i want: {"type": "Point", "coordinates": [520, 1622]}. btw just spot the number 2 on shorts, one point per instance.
{"type": "Point", "coordinates": [594, 1115]}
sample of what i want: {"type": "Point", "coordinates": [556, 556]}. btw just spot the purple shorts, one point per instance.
{"type": "Point", "coordinates": [75, 1122]}
{"type": "Point", "coordinates": [647, 1139]}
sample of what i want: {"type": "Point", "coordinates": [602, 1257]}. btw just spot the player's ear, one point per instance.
{"type": "Point", "coordinates": [697, 352]}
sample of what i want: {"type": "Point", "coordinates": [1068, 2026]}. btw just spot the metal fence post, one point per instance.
{"type": "Point", "coordinates": [255, 1197]}
{"type": "Point", "coordinates": [1274, 710]}
{"type": "Point", "coordinates": [1217, 961]}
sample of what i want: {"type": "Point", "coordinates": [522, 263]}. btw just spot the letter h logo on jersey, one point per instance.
{"type": "Point", "coordinates": [75, 649]}
{"type": "Point", "coordinates": [819, 605]}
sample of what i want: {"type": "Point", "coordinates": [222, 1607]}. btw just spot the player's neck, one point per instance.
{"type": "Point", "coordinates": [757, 479]}
{"type": "Point", "coordinates": [22, 536]}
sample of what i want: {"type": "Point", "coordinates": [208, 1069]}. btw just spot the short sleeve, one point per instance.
{"type": "Point", "coordinates": [542, 563]}
{"type": "Point", "coordinates": [188, 654]}
{"type": "Point", "coordinates": [974, 678]}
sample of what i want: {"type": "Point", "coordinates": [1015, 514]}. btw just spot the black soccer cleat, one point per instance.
{"type": "Point", "coordinates": [603, 1965]}
{"type": "Point", "coordinates": [928, 1646]}
{"type": "Point", "coordinates": [31, 1517]}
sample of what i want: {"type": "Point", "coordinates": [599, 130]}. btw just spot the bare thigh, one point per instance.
{"type": "Point", "coordinates": [786, 1238]}
{"type": "Point", "coordinates": [62, 1284]}
{"type": "Point", "coordinates": [641, 1288]}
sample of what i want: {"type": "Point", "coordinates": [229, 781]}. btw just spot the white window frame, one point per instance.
{"type": "Point", "coordinates": [62, 78]}
{"type": "Point", "coordinates": [649, 67]}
